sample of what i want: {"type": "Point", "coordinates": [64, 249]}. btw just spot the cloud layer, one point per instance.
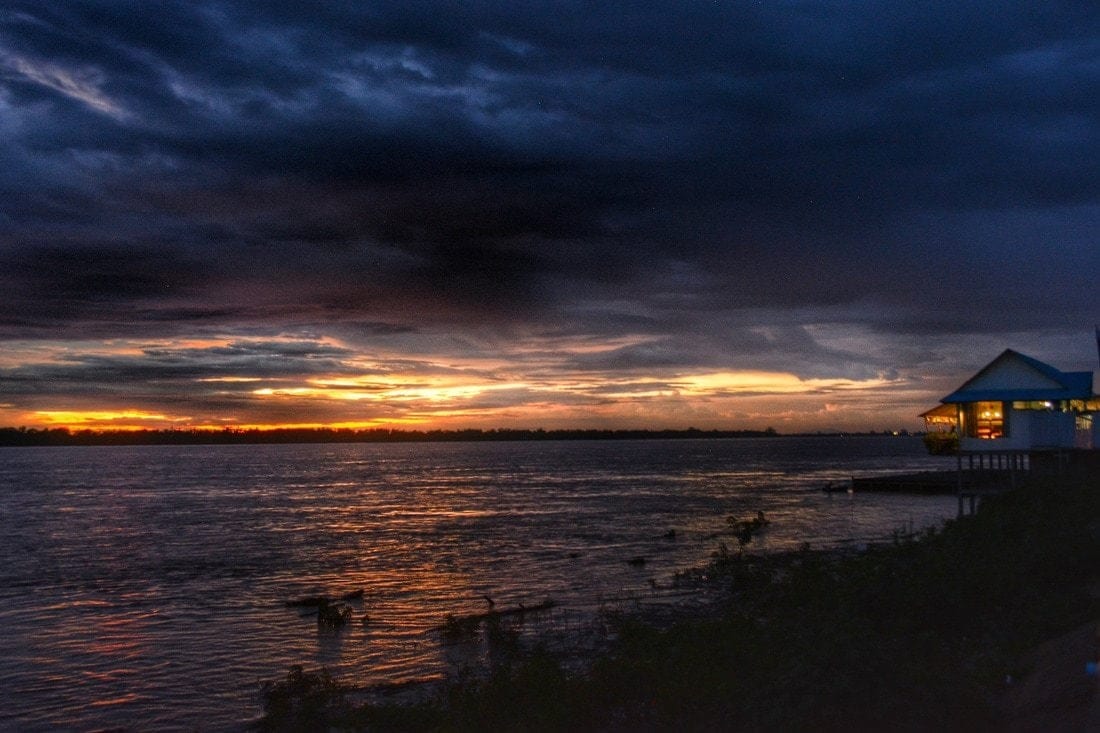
{"type": "Point", "coordinates": [552, 195]}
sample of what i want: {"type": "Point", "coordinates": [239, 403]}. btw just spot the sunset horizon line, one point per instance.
{"type": "Point", "coordinates": [12, 436]}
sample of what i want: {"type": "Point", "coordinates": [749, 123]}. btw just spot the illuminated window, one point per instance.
{"type": "Point", "coordinates": [986, 420]}
{"type": "Point", "coordinates": [1046, 405]}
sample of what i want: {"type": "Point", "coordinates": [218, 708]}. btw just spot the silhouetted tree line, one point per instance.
{"type": "Point", "coordinates": [23, 436]}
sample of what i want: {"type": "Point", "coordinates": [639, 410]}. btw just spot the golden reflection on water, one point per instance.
{"type": "Point", "coordinates": [157, 597]}
{"type": "Point", "coordinates": [123, 699]}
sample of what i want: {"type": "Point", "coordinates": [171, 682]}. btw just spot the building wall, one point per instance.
{"type": "Point", "coordinates": [1049, 429]}
{"type": "Point", "coordinates": [1027, 430]}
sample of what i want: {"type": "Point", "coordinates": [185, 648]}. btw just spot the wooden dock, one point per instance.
{"type": "Point", "coordinates": [927, 482]}
{"type": "Point", "coordinates": [982, 474]}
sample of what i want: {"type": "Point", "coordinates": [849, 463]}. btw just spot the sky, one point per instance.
{"type": "Point", "coordinates": [800, 214]}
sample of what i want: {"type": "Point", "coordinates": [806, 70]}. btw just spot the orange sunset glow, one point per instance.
{"type": "Point", "coordinates": [355, 390]}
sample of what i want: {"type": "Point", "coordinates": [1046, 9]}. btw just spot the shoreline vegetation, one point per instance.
{"type": "Point", "coordinates": [927, 632]}
{"type": "Point", "coordinates": [23, 436]}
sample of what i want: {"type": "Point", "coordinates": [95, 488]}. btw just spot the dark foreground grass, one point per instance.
{"type": "Point", "coordinates": [917, 635]}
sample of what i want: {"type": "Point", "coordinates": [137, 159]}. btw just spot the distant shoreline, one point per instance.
{"type": "Point", "coordinates": [23, 437]}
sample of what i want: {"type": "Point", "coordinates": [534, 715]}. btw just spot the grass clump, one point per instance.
{"type": "Point", "coordinates": [303, 700]}
{"type": "Point", "coordinates": [315, 701]}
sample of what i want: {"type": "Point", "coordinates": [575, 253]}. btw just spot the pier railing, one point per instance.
{"type": "Point", "coordinates": [983, 473]}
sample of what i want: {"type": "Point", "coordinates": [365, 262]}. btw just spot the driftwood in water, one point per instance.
{"type": "Point", "coordinates": [331, 614]}
{"type": "Point", "coordinates": [517, 610]}
{"type": "Point", "coordinates": [460, 626]}
{"type": "Point", "coordinates": [744, 530]}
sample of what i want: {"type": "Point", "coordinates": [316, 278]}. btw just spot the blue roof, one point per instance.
{"type": "Point", "coordinates": [1069, 385]}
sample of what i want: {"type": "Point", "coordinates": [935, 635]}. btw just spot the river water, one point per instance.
{"type": "Point", "coordinates": [145, 588]}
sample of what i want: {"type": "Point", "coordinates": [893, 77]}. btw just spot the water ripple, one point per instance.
{"type": "Point", "coordinates": [145, 587]}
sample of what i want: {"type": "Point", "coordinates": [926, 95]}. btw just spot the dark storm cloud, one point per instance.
{"type": "Point", "coordinates": [260, 361]}
{"type": "Point", "coordinates": [685, 172]}
{"type": "Point", "coordinates": [98, 271]}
